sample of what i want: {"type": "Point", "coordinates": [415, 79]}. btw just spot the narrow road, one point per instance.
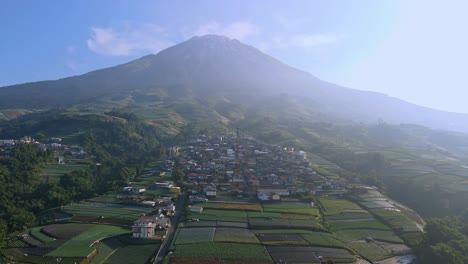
{"type": "Point", "coordinates": [180, 207]}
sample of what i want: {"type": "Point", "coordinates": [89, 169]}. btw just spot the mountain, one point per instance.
{"type": "Point", "coordinates": [225, 80]}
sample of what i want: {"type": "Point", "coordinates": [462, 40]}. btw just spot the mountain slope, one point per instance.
{"type": "Point", "coordinates": [219, 72]}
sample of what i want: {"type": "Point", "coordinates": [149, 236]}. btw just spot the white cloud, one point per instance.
{"type": "Point", "coordinates": [238, 30]}
{"type": "Point", "coordinates": [128, 41]}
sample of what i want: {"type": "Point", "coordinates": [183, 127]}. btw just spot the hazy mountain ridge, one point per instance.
{"type": "Point", "coordinates": [228, 73]}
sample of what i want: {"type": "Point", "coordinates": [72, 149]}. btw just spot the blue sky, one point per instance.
{"type": "Point", "coordinates": [414, 50]}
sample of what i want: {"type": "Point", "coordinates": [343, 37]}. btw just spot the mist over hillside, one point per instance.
{"type": "Point", "coordinates": [223, 74]}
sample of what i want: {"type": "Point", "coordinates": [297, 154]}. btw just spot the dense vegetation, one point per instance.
{"type": "Point", "coordinates": [122, 146]}
{"type": "Point", "coordinates": [446, 241]}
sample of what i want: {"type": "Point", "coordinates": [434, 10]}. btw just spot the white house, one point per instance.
{"type": "Point", "coordinates": [144, 227]}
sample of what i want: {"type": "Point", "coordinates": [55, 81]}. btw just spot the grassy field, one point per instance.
{"type": "Point", "coordinates": [222, 251]}
{"type": "Point", "coordinates": [235, 235]}
{"type": "Point", "coordinates": [80, 246]}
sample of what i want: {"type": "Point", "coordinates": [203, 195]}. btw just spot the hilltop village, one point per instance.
{"type": "Point", "coordinates": [250, 169]}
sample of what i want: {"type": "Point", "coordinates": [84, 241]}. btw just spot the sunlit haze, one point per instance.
{"type": "Point", "coordinates": [413, 50]}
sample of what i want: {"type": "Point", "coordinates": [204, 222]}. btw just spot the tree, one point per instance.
{"type": "Point", "coordinates": [3, 233]}
{"type": "Point", "coordinates": [179, 176]}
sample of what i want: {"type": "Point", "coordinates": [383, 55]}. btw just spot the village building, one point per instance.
{"type": "Point", "coordinates": [144, 227]}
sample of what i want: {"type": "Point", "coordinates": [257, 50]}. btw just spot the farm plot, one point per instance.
{"type": "Point", "coordinates": [207, 223]}
{"type": "Point", "coordinates": [263, 214]}
{"type": "Point", "coordinates": [322, 240]}
{"type": "Point", "coordinates": [350, 216]}
{"type": "Point", "coordinates": [80, 246]}
{"type": "Point", "coordinates": [282, 223]}
{"type": "Point", "coordinates": [397, 249]}
{"type": "Point", "coordinates": [292, 255]}
{"type": "Point", "coordinates": [369, 250]}
{"type": "Point", "coordinates": [307, 254]}
{"type": "Point", "coordinates": [66, 231]}
{"type": "Point", "coordinates": [105, 210]}
{"type": "Point", "coordinates": [235, 235]}
{"type": "Point", "coordinates": [222, 251]}
{"type": "Point", "coordinates": [339, 206]}
{"type": "Point", "coordinates": [195, 235]}
{"type": "Point", "coordinates": [234, 206]}
{"type": "Point", "coordinates": [105, 249]}
{"type": "Point", "coordinates": [291, 208]}
{"type": "Point", "coordinates": [365, 224]}
{"type": "Point", "coordinates": [362, 234]}
{"type": "Point", "coordinates": [221, 215]}
{"type": "Point", "coordinates": [282, 239]}
{"type": "Point", "coordinates": [132, 254]}
{"type": "Point", "coordinates": [395, 218]}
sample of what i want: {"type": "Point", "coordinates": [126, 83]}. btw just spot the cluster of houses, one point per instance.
{"type": "Point", "coordinates": [249, 169]}
{"type": "Point", "coordinates": [53, 143]}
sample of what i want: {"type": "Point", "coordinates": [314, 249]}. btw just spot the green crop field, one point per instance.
{"type": "Point", "coordinates": [282, 231]}
{"type": "Point", "coordinates": [105, 249]}
{"type": "Point", "coordinates": [322, 239]}
{"type": "Point", "coordinates": [339, 206]}
{"type": "Point", "coordinates": [291, 208]}
{"type": "Point", "coordinates": [369, 250]}
{"type": "Point", "coordinates": [362, 234]}
{"type": "Point", "coordinates": [282, 223]}
{"type": "Point", "coordinates": [350, 216]}
{"type": "Point", "coordinates": [225, 213]}
{"type": "Point", "coordinates": [365, 224]}
{"type": "Point", "coordinates": [236, 235]}
{"type": "Point", "coordinates": [80, 246]}
{"type": "Point", "coordinates": [394, 218]}
{"type": "Point", "coordinates": [195, 235]}
{"type": "Point", "coordinates": [132, 254]}
{"type": "Point", "coordinates": [222, 251]}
